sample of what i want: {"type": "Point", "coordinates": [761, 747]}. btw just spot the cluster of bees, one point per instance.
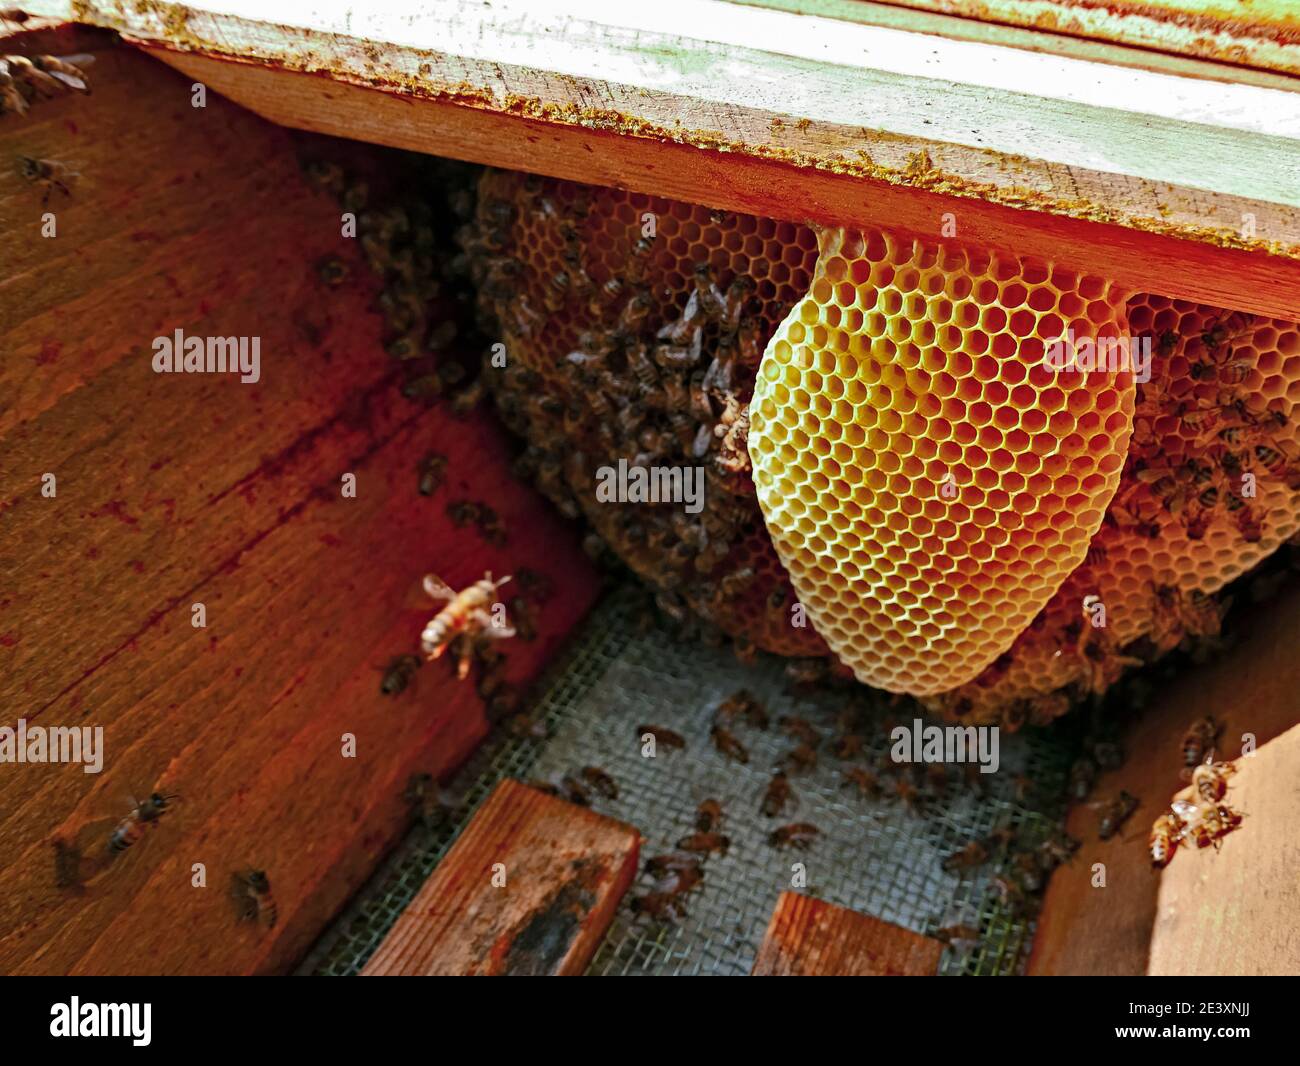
{"type": "Point", "coordinates": [26, 79]}
{"type": "Point", "coordinates": [1200, 814]}
{"type": "Point", "coordinates": [647, 383]}
{"type": "Point", "coordinates": [1027, 868]}
{"type": "Point", "coordinates": [76, 866]}
{"type": "Point", "coordinates": [675, 874]}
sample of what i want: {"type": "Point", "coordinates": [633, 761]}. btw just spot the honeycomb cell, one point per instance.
{"type": "Point", "coordinates": [997, 585]}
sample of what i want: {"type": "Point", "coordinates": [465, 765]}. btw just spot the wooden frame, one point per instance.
{"type": "Point", "coordinates": [1158, 179]}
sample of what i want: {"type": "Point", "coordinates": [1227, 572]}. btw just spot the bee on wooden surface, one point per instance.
{"type": "Point", "coordinates": [1210, 779]}
{"type": "Point", "coordinates": [799, 759]}
{"type": "Point", "coordinates": [1112, 814]}
{"type": "Point", "coordinates": [468, 613]}
{"type": "Point", "coordinates": [432, 471]}
{"type": "Point", "coordinates": [799, 835]}
{"type": "Point", "coordinates": [661, 905]}
{"type": "Point", "coordinates": [251, 891]}
{"type": "Point", "coordinates": [777, 795]}
{"type": "Point", "coordinates": [600, 781]}
{"type": "Point", "coordinates": [1167, 832]}
{"type": "Point", "coordinates": [131, 828]}
{"type": "Point", "coordinates": [708, 816]}
{"type": "Point", "coordinates": [398, 674]}
{"type": "Point", "coordinates": [705, 843]}
{"type": "Point", "coordinates": [1201, 736]}
{"type": "Point", "coordinates": [726, 743]}
{"type": "Point", "coordinates": [1217, 821]}
{"type": "Point", "coordinates": [49, 175]}
{"type": "Point", "coordinates": [665, 738]}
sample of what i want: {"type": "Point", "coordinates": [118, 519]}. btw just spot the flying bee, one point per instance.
{"type": "Point", "coordinates": [726, 743]}
{"type": "Point", "coordinates": [1114, 813]}
{"type": "Point", "coordinates": [468, 613]}
{"type": "Point", "coordinates": [662, 737]}
{"type": "Point", "coordinates": [398, 674]}
{"type": "Point", "coordinates": [131, 828]}
{"type": "Point", "coordinates": [600, 781]}
{"type": "Point", "coordinates": [251, 891]}
{"type": "Point", "coordinates": [705, 843]}
{"type": "Point", "coordinates": [708, 816]}
{"type": "Point", "coordinates": [49, 175]}
{"type": "Point", "coordinates": [799, 835]}
{"type": "Point", "coordinates": [777, 796]}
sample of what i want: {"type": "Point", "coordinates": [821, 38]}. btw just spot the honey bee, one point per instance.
{"type": "Point", "coordinates": [1083, 774]}
{"type": "Point", "coordinates": [252, 893]}
{"type": "Point", "coordinates": [1210, 779]}
{"type": "Point", "coordinates": [745, 705]}
{"type": "Point", "coordinates": [800, 758]}
{"type": "Point", "coordinates": [600, 781]}
{"type": "Point", "coordinates": [426, 801]}
{"type": "Point", "coordinates": [1114, 813]}
{"type": "Point", "coordinates": [132, 827]}
{"type": "Point", "coordinates": [467, 614]}
{"type": "Point", "coordinates": [708, 816]}
{"type": "Point", "coordinates": [1200, 737]}
{"type": "Point", "coordinates": [705, 843]}
{"type": "Point", "coordinates": [663, 737]}
{"type": "Point", "coordinates": [972, 856]}
{"type": "Point", "coordinates": [777, 796]}
{"type": "Point", "coordinates": [573, 790]}
{"type": "Point", "coordinates": [799, 728]}
{"type": "Point", "coordinates": [1217, 821]}
{"type": "Point", "coordinates": [1250, 525]}
{"type": "Point", "coordinates": [1056, 850]}
{"type": "Point", "coordinates": [859, 777]}
{"type": "Point", "coordinates": [1027, 872]}
{"type": "Point", "coordinates": [726, 743]}
{"type": "Point", "coordinates": [398, 674]}
{"type": "Point", "coordinates": [49, 175]}
{"type": "Point", "coordinates": [1167, 832]}
{"type": "Point", "coordinates": [799, 835]}
{"type": "Point", "coordinates": [956, 934]}
{"type": "Point", "coordinates": [909, 795]}
{"type": "Point", "coordinates": [848, 746]}
{"type": "Point", "coordinates": [661, 905]}
{"type": "Point", "coordinates": [679, 882]}
{"type": "Point", "coordinates": [659, 865]}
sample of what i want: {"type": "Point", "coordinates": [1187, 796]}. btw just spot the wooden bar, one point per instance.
{"type": "Point", "coordinates": [1084, 930]}
{"type": "Point", "coordinates": [177, 489]}
{"type": "Point", "coordinates": [529, 889]}
{"type": "Point", "coordinates": [810, 938]}
{"type": "Point", "coordinates": [1160, 180]}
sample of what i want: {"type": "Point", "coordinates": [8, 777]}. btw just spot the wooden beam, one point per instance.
{"type": "Point", "coordinates": [528, 889]}
{"type": "Point", "coordinates": [1162, 181]}
{"type": "Point", "coordinates": [1087, 930]}
{"type": "Point", "coordinates": [173, 490]}
{"type": "Point", "coordinates": [810, 938]}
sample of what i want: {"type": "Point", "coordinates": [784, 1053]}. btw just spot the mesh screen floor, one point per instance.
{"type": "Point", "coordinates": [873, 856]}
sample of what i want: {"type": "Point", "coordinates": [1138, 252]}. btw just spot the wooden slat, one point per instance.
{"type": "Point", "coordinates": [1236, 912]}
{"type": "Point", "coordinates": [1252, 689]}
{"type": "Point", "coordinates": [809, 938]}
{"type": "Point", "coordinates": [802, 117]}
{"type": "Point", "coordinates": [565, 870]}
{"type": "Point", "coordinates": [177, 489]}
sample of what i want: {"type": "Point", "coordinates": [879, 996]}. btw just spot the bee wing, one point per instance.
{"type": "Point", "coordinates": [437, 589]}
{"type": "Point", "coordinates": [1184, 810]}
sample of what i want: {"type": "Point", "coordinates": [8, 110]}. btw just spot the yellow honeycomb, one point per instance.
{"type": "Point", "coordinates": [929, 482]}
{"type": "Point", "coordinates": [943, 505]}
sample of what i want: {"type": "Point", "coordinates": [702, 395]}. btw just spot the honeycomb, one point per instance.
{"type": "Point", "coordinates": [928, 480]}
{"type": "Point", "coordinates": [943, 506]}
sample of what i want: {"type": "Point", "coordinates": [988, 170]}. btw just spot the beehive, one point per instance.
{"type": "Point", "coordinates": [942, 499]}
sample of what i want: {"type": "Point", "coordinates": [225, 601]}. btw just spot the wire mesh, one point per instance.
{"type": "Point", "coordinates": [875, 856]}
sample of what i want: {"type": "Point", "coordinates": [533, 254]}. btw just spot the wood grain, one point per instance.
{"type": "Point", "coordinates": [565, 868]}
{"type": "Point", "coordinates": [182, 489]}
{"type": "Point", "coordinates": [809, 938]}
{"type": "Point", "coordinates": [1236, 911]}
{"type": "Point", "coordinates": [780, 114]}
{"type": "Point", "coordinates": [1252, 689]}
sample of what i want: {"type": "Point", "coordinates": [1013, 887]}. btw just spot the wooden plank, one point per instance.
{"type": "Point", "coordinates": [565, 868]}
{"type": "Point", "coordinates": [1236, 912]}
{"type": "Point", "coordinates": [775, 113]}
{"type": "Point", "coordinates": [177, 489]}
{"type": "Point", "coordinates": [1262, 33]}
{"type": "Point", "coordinates": [810, 938]}
{"type": "Point", "coordinates": [1084, 930]}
